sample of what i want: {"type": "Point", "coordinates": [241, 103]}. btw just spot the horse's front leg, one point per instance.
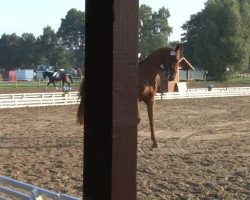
{"type": "Point", "coordinates": [55, 85]}
{"type": "Point", "coordinates": [150, 108]}
{"type": "Point", "coordinates": [61, 84]}
{"type": "Point", "coordinates": [47, 85]}
{"type": "Point", "coordinates": [69, 86]}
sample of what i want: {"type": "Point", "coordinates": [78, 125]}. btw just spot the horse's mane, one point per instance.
{"type": "Point", "coordinates": [155, 53]}
{"type": "Point", "coordinates": [47, 72]}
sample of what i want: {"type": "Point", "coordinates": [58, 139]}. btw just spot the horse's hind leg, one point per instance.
{"type": "Point", "coordinates": [150, 108]}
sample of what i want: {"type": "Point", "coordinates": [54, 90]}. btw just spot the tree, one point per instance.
{"type": "Point", "coordinates": [154, 31]}
{"type": "Point", "coordinates": [218, 37]}
{"type": "Point", "coordinates": [46, 45]}
{"type": "Point", "coordinates": [64, 48]}
{"type": "Point", "coordinates": [8, 47]}
{"type": "Point", "coordinates": [192, 28]}
{"type": "Point", "coordinates": [71, 34]}
{"type": "Point", "coordinates": [25, 51]}
{"type": "Point", "coordinates": [245, 33]}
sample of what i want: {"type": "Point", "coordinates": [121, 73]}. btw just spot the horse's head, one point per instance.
{"type": "Point", "coordinates": [169, 57]}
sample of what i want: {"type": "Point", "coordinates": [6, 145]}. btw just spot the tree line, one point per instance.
{"type": "Point", "coordinates": [63, 48]}
{"type": "Point", "coordinates": [214, 39]}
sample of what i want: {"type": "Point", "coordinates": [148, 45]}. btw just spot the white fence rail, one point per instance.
{"type": "Point", "coordinates": [13, 189]}
{"type": "Point", "coordinates": [204, 93]}
{"type": "Point", "coordinates": [60, 98]}
{"type": "Point", "coordinates": [38, 99]}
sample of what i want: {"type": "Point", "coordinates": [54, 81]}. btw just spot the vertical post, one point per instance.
{"type": "Point", "coordinates": [226, 76]}
{"type": "Point", "coordinates": [125, 99]}
{"type": "Point", "coordinates": [187, 75]}
{"type": "Point", "coordinates": [110, 129]}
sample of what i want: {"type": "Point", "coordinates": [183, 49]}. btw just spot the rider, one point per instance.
{"type": "Point", "coordinates": [56, 73]}
{"type": "Point", "coordinates": [62, 71]}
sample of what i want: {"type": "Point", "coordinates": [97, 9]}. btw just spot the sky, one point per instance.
{"type": "Point", "coordinates": [180, 12]}
{"type": "Point", "coordinates": [31, 16]}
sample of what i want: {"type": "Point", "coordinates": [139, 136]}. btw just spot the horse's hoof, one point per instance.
{"type": "Point", "coordinates": [155, 145]}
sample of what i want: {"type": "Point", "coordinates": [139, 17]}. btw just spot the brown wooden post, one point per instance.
{"type": "Point", "coordinates": [110, 129]}
{"type": "Point", "coordinates": [187, 75]}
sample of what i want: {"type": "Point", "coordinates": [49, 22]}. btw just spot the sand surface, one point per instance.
{"type": "Point", "coordinates": [204, 149]}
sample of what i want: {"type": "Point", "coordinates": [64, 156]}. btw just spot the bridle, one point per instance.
{"type": "Point", "coordinates": [169, 69]}
{"type": "Point", "coordinates": [172, 56]}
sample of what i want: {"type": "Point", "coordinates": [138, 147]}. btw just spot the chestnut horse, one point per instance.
{"type": "Point", "coordinates": [164, 59]}
{"type": "Point", "coordinates": [157, 63]}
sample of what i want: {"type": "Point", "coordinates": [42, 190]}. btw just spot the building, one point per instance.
{"type": "Point", "coordinates": [24, 75]}
{"type": "Point", "coordinates": [8, 75]}
{"type": "Point", "coordinates": [185, 67]}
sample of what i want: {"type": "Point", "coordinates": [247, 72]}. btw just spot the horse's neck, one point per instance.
{"type": "Point", "coordinates": [149, 66]}
{"type": "Point", "coordinates": [152, 60]}
{"type": "Point", "coordinates": [148, 70]}
{"type": "Point", "coordinates": [50, 76]}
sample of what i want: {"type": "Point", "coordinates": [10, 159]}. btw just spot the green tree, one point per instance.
{"type": "Point", "coordinates": [189, 38]}
{"type": "Point", "coordinates": [245, 32]}
{"type": "Point", "coordinates": [154, 30]}
{"type": "Point", "coordinates": [8, 46]}
{"type": "Point", "coordinates": [25, 51]}
{"type": "Point", "coordinates": [218, 37]}
{"type": "Point", "coordinates": [46, 45]}
{"type": "Point", "coordinates": [71, 34]}
{"type": "Point", "coordinates": [49, 51]}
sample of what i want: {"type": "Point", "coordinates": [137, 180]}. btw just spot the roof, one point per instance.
{"type": "Point", "coordinates": [185, 65]}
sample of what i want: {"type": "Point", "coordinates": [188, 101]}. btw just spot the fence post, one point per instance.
{"type": "Point", "coordinates": [110, 116]}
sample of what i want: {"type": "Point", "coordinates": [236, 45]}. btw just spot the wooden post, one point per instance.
{"type": "Point", "coordinates": [187, 76]}
{"type": "Point", "coordinates": [110, 127]}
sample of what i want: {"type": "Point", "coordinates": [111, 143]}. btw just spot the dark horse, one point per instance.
{"type": "Point", "coordinates": [63, 77]}
{"type": "Point", "coordinates": [162, 62]}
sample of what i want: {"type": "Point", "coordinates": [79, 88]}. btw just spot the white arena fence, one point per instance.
{"type": "Point", "coordinates": [13, 189]}
{"type": "Point", "coordinates": [204, 93]}
{"type": "Point", "coordinates": [71, 98]}
{"type": "Point", "coordinates": [38, 99]}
